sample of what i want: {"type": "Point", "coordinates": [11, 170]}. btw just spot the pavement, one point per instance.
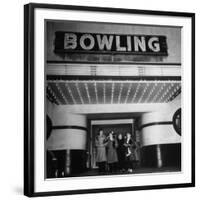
{"type": "Point", "coordinates": [138, 170]}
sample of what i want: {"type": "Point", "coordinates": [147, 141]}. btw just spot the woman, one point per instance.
{"type": "Point", "coordinates": [101, 158]}
{"type": "Point", "coordinates": [121, 153]}
{"type": "Point", "coordinates": [112, 158]}
{"type": "Point", "coordinates": [129, 152]}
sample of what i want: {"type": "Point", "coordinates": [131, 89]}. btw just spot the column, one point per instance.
{"type": "Point", "coordinates": [161, 144]}
{"type": "Point", "coordinates": [69, 133]}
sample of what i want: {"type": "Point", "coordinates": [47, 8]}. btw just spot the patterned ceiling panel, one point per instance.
{"type": "Point", "coordinates": [68, 92]}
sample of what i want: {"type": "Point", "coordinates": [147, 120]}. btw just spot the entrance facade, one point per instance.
{"type": "Point", "coordinates": [120, 78]}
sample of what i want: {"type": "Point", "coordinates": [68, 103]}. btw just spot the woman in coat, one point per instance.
{"type": "Point", "coordinates": [100, 144]}
{"type": "Point", "coordinates": [121, 153]}
{"type": "Point", "coordinates": [129, 152]}
{"type": "Point", "coordinates": [112, 158]}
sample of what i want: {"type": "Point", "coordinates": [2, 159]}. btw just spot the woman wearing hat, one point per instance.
{"type": "Point", "coordinates": [100, 144]}
{"type": "Point", "coordinates": [129, 152]}
{"type": "Point", "coordinates": [112, 158]}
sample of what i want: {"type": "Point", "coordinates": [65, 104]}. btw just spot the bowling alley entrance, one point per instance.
{"type": "Point", "coordinates": [103, 80]}
{"type": "Point", "coordinates": [117, 126]}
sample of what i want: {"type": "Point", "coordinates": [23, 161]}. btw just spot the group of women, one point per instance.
{"type": "Point", "coordinates": [115, 153]}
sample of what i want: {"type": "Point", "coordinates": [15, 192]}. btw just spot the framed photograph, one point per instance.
{"type": "Point", "coordinates": [108, 99]}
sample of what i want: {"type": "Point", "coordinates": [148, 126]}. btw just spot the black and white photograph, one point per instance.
{"type": "Point", "coordinates": [113, 98]}
{"type": "Point", "coordinates": [109, 100]}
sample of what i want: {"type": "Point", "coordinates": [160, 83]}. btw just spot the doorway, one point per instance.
{"type": "Point", "coordinates": [116, 125]}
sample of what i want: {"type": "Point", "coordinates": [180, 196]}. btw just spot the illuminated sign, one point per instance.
{"type": "Point", "coordinates": [66, 42]}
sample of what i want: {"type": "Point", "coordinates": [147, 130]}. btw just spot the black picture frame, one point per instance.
{"type": "Point", "coordinates": [29, 95]}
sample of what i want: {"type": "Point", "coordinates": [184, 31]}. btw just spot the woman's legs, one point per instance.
{"type": "Point", "coordinates": [113, 167]}
{"type": "Point", "coordinates": [129, 164]}
{"type": "Point", "coordinates": [110, 167]}
{"type": "Point", "coordinates": [102, 166]}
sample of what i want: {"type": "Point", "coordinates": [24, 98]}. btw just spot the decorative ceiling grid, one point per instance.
{"type": "Point", "coordinates": [69, 92]}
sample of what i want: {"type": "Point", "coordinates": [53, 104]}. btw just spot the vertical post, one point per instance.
{"type": "Point", "coordinates": [159, 157]}
{"type": "Point", "coordinates": [68, 162]}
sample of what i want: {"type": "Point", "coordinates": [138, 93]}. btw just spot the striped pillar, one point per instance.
{"type": "Point", "coordinates": [161, 145]}
{"type": "Point", "coordinates": [69, 132]}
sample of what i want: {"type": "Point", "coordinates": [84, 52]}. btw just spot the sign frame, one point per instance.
{"type": "Point", "coordinates": [129, 48]}
{"type": "Point", "coordinates": [30, 92]}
